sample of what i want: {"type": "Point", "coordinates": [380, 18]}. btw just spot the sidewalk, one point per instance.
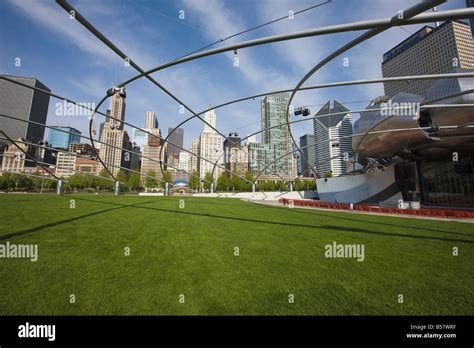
{"type": "Point", "coordinates": [278, 204]}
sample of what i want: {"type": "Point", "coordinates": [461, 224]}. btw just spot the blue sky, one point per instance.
{"type": "Point", "coordinates": [73, 63]}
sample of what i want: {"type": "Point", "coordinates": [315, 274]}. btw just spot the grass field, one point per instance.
{"type": "Point", "coordinates": [190, 251]}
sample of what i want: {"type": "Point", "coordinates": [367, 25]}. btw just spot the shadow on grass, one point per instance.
{"type": "Point", "coordinates": [57, 223]}
{"type": "Point", "coordinates": [361, 230]}
{"type": "Point", "coordinates": [340, 229]}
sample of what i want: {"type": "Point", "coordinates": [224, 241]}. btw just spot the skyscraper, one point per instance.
{"type": "Point", "coordinates": [115, 137]}
{"type": "Point", "coordinates": [62, 140]}
{"type": "Point", "coordinates": [101, 126]}
{"type": "Point", "coordinates": [184, 165]}
{"type": "Point", "coordinates": [117, 108]}
{"type": "Point", "coordinates": [194, 158]}
{"type": "Point", "coordinates": [184, 161]}
{"type": "Point", "coordinates": [210, 147]}
{"type": "Point", "coordinates": [151, 154]}
{"type": "Point", "coordinates": [150, 120]}
{"type": "Point", "coordinates": [470, 3]}
{"type": "Point", "coordinates": [135, 157]}
{"type": "Point", "coordinates": [332, 136]}
{"type": "Point", "coordinates": [173, 151]}
{"type": "Point", "coordinates": [428, 51]}
{"type": "Point", "coordinates": [26, 104]}
{"type": "Point", "coordinates": [210, 118]}
{"type": "Point", "coordinates": [272, 155]}
{"type": "Point", "coordinates": [307, 147]}
{"type": "Point", "coordinates": [235, 155]}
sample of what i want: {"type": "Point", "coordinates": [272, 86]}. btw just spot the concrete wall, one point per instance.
{"type": "Point", "coordinates": [269, 196]}
{"type": "Point", "coordinates": [367, 188]}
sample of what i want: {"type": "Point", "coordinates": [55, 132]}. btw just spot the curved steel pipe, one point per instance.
{"type": "Point", "coordinates": [339, 28]}
{"type": "Point", "coordinates": [86, 157]}
{"type": "Point", "coordinates": [395, 20]}
{"type": "Point", "coordinates": [32, 175]}
{"type": "Point", "coordinates": [27, 155]}
{"type": "Point", "coordinates": [90, 109]}
{"type": "Point", "coordinates": [314, 32]}
{"type": "Point", "coordinates": [73, 170]}
{"type": "Point", "coordinates": [445, 128]}
{"type": "Point", "coordinates": [85, 137]}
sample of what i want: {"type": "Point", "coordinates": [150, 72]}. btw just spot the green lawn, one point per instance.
{"type": "Point", "coordinates": [190, 251]}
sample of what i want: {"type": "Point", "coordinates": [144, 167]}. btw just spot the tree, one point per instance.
{"type": "Point", "coordinates": [194, 181]}
{"type": "Point", "coordinates": [50, 184]}
{"type": "Point", "coordinates": [223, 182]}
{"type": "Point", "coordinates": [298, 185]}
{"type": "Point", "coordinates": [134, 181]}
{"type": "Point", "coordinates": [122, 176]}
{"type": "Point", "coordinates": [89, 182]}
{"type": "Point", "coordinates": [6, 182]}
{"type": "Point", "coordinates": [36, 181]}
{"type": "Point", "coordinates": [104, 184]}
{"type": "Point", "coordinates": [249, 177]}
{"type": "Point", "coordinates": [237, 183]}
{"type": "Point", "coordinates": [311, 185]}
{"type": "Point", "coordinates": [167, 177]}
{"type": "Point", "coordinates": [207, 180]}
{"type": "Point", "coordinates": [104, 173]}
{"type": "Point", "coordinates": [267, 185]}
{"type": "Point", "coordinates": [272, 186]}
{"type": "Point", "coordinates": [150, 180]}
{"type": "Point", "coordinates": [75, 181]}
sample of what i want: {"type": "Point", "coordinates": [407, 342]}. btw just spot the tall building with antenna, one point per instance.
{"type": "Point", "coordinates": [114, 137]}
{"type": "Point", "coordinates": [210, 147]}
{"type": "Point", "coordinates": [151, 121]}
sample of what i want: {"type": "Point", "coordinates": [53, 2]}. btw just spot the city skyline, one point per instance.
{"type": "Point", "coordinates": [270, 157]}
{"type": "Point", "coordinates": [250, 76]}
{"type": "Point", "coordinates": [168, 160]}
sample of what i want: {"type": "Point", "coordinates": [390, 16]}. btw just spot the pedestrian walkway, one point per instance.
{"type": "Point", "coordinates": [423, 217]}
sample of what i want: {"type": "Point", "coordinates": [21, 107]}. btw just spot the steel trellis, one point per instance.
{"type": "Point", "coordinates": [85, 137]}
{"type": "Point", "coordinates": [313, 32]}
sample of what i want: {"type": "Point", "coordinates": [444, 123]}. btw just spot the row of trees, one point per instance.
{"type": "Point", "coordinates": [133, 182]}
{"type": "Point", "coordinates": [130, 181]}
{"type": "Point", "coordinates": [235, 183]}
{"type": "Point", "coordinates": [82, 182]}
{"type": "Point", "coordinates": [14, 182]}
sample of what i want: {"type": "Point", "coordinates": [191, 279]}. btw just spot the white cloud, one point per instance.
{"type": "Point", "coordinates": [196, 86]}
{"type": "Point", "coordinates": [213, 18]}
{"type": "Point", "coordinates": [51, 16]}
